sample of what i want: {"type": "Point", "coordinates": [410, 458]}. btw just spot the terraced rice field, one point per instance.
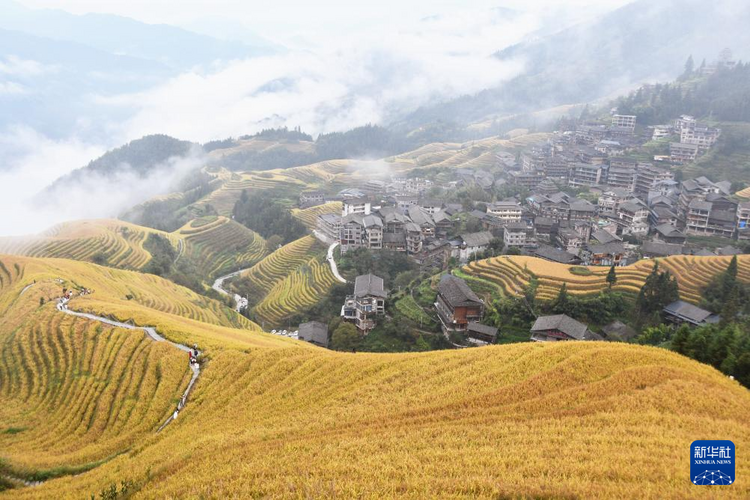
{"type": "Point", "coordinates": [217, 245]}
{"type": "Point", "coordinates": [275, 267]}
{"type": "Point", "coordinates": [745, 193]}
{"type": "Point", "coordinates": [78, 392]}
{"type": "Point", "coordinates": [10, 273]}
{"type": "Point", "coordinates": [289, 280]}
{"type": "Point", "coordinates": [514, 273]}
{"type": "Point", "coordinates": [476, 154]}
{"type": "Point", "coordinates": [319, 173]}
{"type": "Point", "coordinates": [224, 198]}
{"type": "Point", "coordinates": [118, 244]}
{"type": "Point", "coordinates": [271, 417]}
{"type": "Point", "coordinates": [309, 216]}
{"type": "Point", "coordinates": [297, 291]}
{"type": "Point", "coordinates": [144, 299]}
{"type": "Point", "coordinates": [281, 423]}
{"type": "Point", "coordinates": [74, 392]}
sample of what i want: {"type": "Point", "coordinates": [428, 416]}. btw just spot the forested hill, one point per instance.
{"type": "Point", "coordinates": [722, 96]}
{"type": "Point", "coordinates": [368, 141]}
{"type": "Point", "coordinates": [140, 157]}
{"type": "Point", "coordinates": [641, 41]}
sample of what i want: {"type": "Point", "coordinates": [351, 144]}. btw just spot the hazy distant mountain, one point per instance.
{"type": "Point", "coordinates": [171, 46]}
{"type": "Point", "coordinates": [55, 67]}
{"type": "Point", "coordinates": [52, 85]}
{"type": "Point", "coordinates": [642, 41]}
{"type": "Point", "coordinates": [140, 157]}
{"type": "Point", "coordinates": [145, 167]}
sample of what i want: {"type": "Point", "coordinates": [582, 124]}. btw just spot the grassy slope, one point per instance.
{"type": "Point", "coordinates": [276, 418]}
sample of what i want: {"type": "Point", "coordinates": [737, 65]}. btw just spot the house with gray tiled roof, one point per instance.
{"type": "Point", "coordinates": [680, 312]}
{"type": "Point", "coordinates": [367, 302]}
{"type": "Point", "coordinates": [457, 305]}
{"type": "Point", "coordinates": [560, 327]}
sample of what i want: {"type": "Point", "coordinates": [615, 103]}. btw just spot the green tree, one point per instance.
{"type": "Point", "coordinates": [742, 369]}
{"type": "Point", "coordinates": [689, 67]}
{"type": "Point", "coordinates": [720, 345]}
{"type": "Point", "coordinates": [162, 253]}
{"type": "Point", "coordinates": [345, 338]}
{"type": "Point", "coordinates": [679, 339]}
{"type": "Point", "coordinates": [728, 280]}
{"type": "Point", "coordinates": [265, 213]}
{"type": "Point", "coordinates": [273, 243]}
{"type": "Point", "coordinates": [422, 344]}
{"type": "Point", "coordinates": [655, 335]}
{"type": "Point", "coordinates": [731, 306]}
{"type": "Point", "coordinates": [561, 304]}
{"type": "Point", "coordinates": [611, 277]}
{"type": "Point", "coordinates": [659, 290]}
{"type": "Point", "coordinates": [697, 344]}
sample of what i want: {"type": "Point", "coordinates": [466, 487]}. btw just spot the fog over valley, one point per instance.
{"type": "Point", "coordinates": [76, 82]}
{"type": "Point", "coordinates": [476, 249]}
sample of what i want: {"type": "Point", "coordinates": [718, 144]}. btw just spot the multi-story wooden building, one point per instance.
{"type": "Point", "coordinates": [367, 302]}
{"type": "Point", "coordinates": [457, 305]}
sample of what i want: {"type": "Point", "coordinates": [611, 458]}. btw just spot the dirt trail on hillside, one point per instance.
{"type": "Point", "coordinates": [62, 306]}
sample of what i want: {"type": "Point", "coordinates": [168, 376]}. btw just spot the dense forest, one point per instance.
{"type": "Point", "coordinates": [367, 141]}
{"type": "Point", "coordinates": [265, 214]}
{"type": "Point", "coordinates": [281, 134]}
{"type": "Point", "coordinates": [141, 155]}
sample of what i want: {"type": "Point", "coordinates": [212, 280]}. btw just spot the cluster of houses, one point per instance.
{"type": "Point", "coordinates": [420, 227]}
{"type": "Point", "coordinates": [624, 200]}
{"type": "Point", "coordinates": [460, 310]}
{"type": "Point", "coordinates": [625, 209]}
{"type": "Point", "coordinates": [457, 307]}
{"type": "Point", "coordinates": [361, 308]}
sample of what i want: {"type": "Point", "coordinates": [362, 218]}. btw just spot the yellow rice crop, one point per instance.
{"type": "Point", "coordinates": [309, 216]}
{"type": "Point", "coordinates": [119, 243]}
{"type": "Point", "coordinates": [221, 246]}
{"type": "Point", "coordinates": [275, 418]}
{"type": "Point", "coordinates": [513, 273]}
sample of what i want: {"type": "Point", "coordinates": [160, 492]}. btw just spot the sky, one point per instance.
{"type": "Point", "coordinates": [346, 64]}
{"type": "Point", "coordinates": [287, 20]}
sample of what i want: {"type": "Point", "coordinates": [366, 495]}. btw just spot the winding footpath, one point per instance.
{"type": "Point", "coordinates": [329, 257]}
{"type": "Point", "coordinates": [180, 250]}
{"type": "Point", "coordinates": [239, 301]}
{"type": "Point", "coordinates": [332, 262]}
{"type": "Point", "coordinates": [62, 306]}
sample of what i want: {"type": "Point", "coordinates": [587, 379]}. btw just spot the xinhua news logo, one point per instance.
{"type": "Point", "coordinates": [712, 463]}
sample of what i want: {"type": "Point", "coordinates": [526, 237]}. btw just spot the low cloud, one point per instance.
{"type": "Point", "coordinates": [8, 88]}
{"type": "Point", "coordinates": [15, 66]}
{"type": "Point", "coordinates": [332, 84]}
{"type": "Point", "coordinates": [327, 82]}
{"type": "Point", "coordinates": [32, 162]}
{"type": "Point", "coordinates": [28, 163]}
